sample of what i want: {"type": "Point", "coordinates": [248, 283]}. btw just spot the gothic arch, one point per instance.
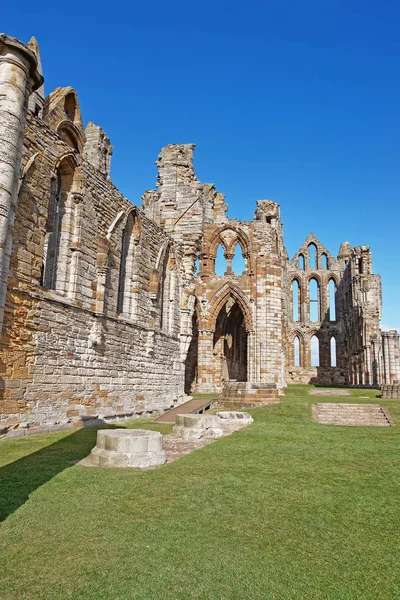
{"type": "Point", "coordinates": [137, 228]}
{"type": "Point", "coordinates": [71, 135]}
{"type": "Point", "coordinates": [220, 298]}
{"type": "Point", "coordinates": [241, 238]}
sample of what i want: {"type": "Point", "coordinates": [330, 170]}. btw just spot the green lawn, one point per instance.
{"type": "Point", "coordinates": [285, 509]}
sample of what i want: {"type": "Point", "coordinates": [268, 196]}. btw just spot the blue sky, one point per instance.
{"type": "Point", "coordinates": [293, 101]}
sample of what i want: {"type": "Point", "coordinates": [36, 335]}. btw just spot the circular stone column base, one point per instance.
{"type": "Point", "coordinates": [138, 448]}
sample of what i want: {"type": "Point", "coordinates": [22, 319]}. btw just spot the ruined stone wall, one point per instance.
{"type": "Point", "coordinates": [68, 352]}
{"type": "Point", "coordinates": [353, 323]}
{"type": "Point", "coordinates": [360, 298]}
{"type": "Point", "coordinates": [258, 291]}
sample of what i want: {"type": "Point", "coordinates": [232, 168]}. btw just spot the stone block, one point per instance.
{"type": "Point", "coordinates": [128, 448]}
{"type": "Point", "coordinates": [194, 427]}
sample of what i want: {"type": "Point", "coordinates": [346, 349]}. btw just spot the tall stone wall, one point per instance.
{"type": "Point", "coordinates": [71, 350]}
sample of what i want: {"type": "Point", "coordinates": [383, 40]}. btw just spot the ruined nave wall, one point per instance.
{"type": "Point", "coordinates": [74, 351]}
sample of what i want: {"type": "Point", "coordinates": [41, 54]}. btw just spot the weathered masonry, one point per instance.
{"type": "Point", "coordinates": [108, 309]}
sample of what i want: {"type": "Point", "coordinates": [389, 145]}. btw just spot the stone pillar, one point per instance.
{"type": "Point", "coordinates": [228, 258]}
{"type": "Point", "coordinates": [391, 356]}
{"type": "Point", "coordinates": [205, 382]}
{"type": "Point", "coordinates": [19, 77]}
{"type": "Point", "coordinates": [251, 357]}
{"type": "Point", "coordinates": [367, 365]}
{"type": "Point", "coordinates": [76, 250]}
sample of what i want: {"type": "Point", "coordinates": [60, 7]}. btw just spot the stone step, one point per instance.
{"type": "Point", "coordinates": [368, 415]}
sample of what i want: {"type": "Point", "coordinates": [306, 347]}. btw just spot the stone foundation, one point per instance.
{"type": "Point", "coordinates": [248, 395]}
{"type": "Point", "coordinates": [138, 448]}
{"type": "Point", "coordinates": [391, 390]}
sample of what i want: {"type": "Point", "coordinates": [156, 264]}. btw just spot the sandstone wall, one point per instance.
{"type": "Point", "coordinates": [69, 352]}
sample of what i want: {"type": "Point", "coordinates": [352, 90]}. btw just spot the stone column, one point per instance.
{"type": "Point", "coordinates": [19, 77]}
{"type": "Point", "coordinates": [228, 258]}
{"type": "Point", "coordinates": [76, 249]}
{"type": "Point", "coordinates": [391, 356]}
{"type": "Point", "coordinates": [205, 362]}
{"type": "Point", "coordinates": [251, 357]}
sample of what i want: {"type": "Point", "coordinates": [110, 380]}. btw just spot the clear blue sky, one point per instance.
{"type": "Point", "coordinates": [294, 101]}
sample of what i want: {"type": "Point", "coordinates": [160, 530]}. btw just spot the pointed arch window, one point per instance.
{"type": "Point", "coordinates": [296, 352]}
{"type": "Point", "coordinates": [314, 348]}
{"type": "Point", "coordinates": [295, 300]}
{"type": "Point", "coordinates": [301, 262]}
{"type": "Point", "coordinates": [238, 261]}
{"type": "Point", "coordinates": [127, 290]}
{"type": "Point", "coordinates": [314, 300]}
{"type": "Point", "coordinates": [169, 293]}
{"type": "Point", "coordinates": [53, 234]}
{"type": "Point", "coordinates": [332, 300]}
{"type": "Point", "coordinates": [220, 261]}
{"type": "Point", "coordinates": [324, 261]}
{"type": "Point", "coordinates": [312, 255]}
{"type": "Point", "coordinates": [332, 347]}
{"type": "Point", "coordinates": [62, 222]}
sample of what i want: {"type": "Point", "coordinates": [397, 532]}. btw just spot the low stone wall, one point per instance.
{"type": "Point", "coordinates": [391, 390]}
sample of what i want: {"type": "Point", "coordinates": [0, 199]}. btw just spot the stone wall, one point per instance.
{"type": "Point", "coordinates": [85, 342]}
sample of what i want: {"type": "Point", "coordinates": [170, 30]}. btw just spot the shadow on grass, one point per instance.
{"type": "Point", "coordinates": [23, 476]}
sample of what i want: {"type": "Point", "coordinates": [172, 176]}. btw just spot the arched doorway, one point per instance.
{"type": "Point", "coordinates": [229, 345]}
{"type": "Point", "coordinates": [192, 357]}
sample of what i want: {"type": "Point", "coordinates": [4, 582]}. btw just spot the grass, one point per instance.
{"type": "Point", "coordinates": [286, 509]}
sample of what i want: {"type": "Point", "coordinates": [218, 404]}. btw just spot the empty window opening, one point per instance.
{"type": "Point", "coordinates": [296, 351]}
{"type": "Point", "coordinates": [295, 300]}
{"type": "Point", "coordinates": [324, 261]}
{"type": "Point", "coordinates": [70, 106]}
{"type": "Point", "coordinates": [168, 294]}
{"type": "Point", "coordinates": [314, 351]}
{"type": "Point", "coordinates": [196, 266]}
{"type": "Point", "coordinates": [314, 300]}
{"type": "Point", "coordinates": [332, 300]}
{"type": "Point", "coordinates": [333, 351]}
{"type": "Point", "coordinates": [220, 261]}
{"type": "Point", "coordinates": [312, 254]}
{"type": "Point", "coordinates": [127, 298]}
{"type": "Point", "coordinates": [300, 262]}
{"type": "Point", "coordinates": [52, 242]}
{"type": "Point", "coordinates": [361, 266]}
{"type": "Point", "coordinates": [238, 261]}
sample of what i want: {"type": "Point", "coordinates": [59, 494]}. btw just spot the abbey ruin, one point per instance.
{"type": "Point", "coordinates": [103, 309]}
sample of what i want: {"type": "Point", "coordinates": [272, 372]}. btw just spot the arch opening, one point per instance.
{"type": "Point", "coordinates": [295, 301]}
{"type": "Point", "coordinates": [312, 255]}
{"type": "Point", "coordinates": [191, 362]}
{"type": "Point", "coordinates": [332, 349]}
{"type": "Point", "coordinates": [220, 261]}
{"type": "Point", "coordinates": [296, 352]}
{"type": "Point", "coordinates": [230, 344]}
{"type": "Point", "coordinates": [314, 346]}
{"type": "Point", "coordinates": [332, 300]}
{"type": "Point", "coordinates": [314, 300]}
